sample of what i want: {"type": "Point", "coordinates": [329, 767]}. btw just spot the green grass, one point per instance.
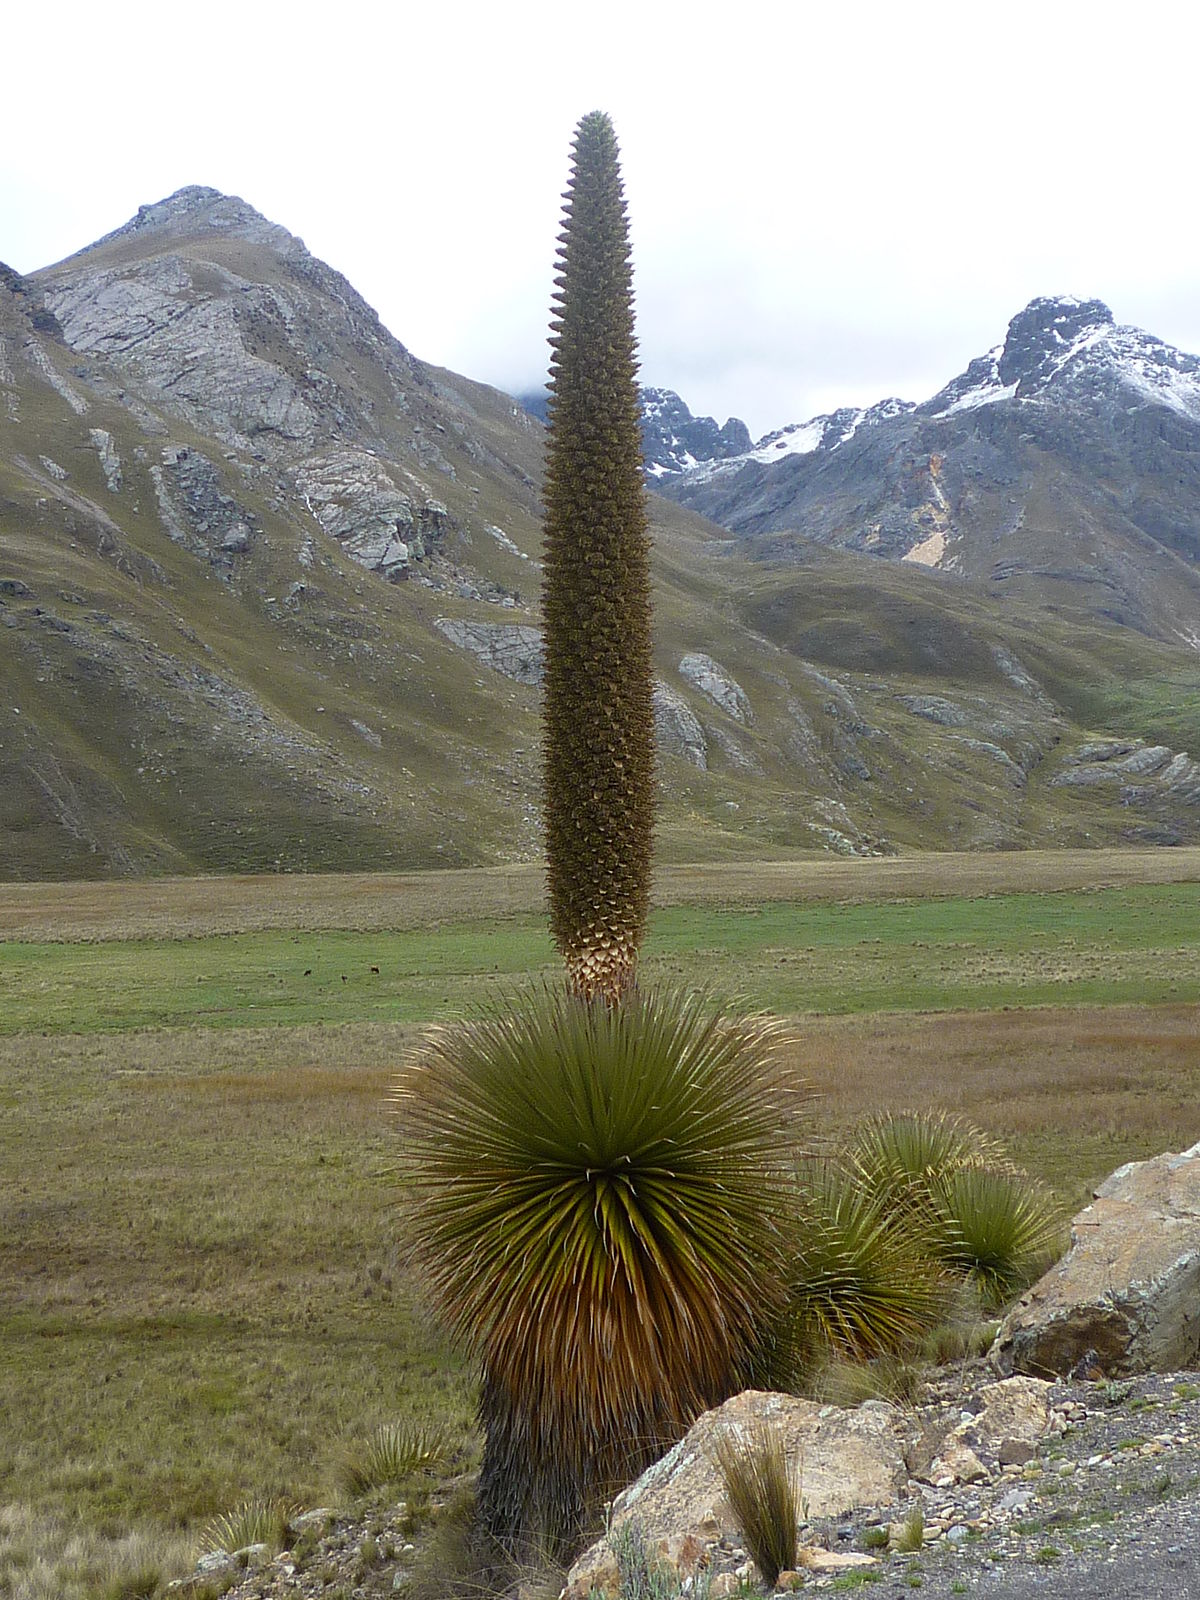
{"type": "Point", "coordinates": [1135, 944]}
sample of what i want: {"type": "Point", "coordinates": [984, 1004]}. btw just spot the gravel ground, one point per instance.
{"type": "Point", "coordinates": [1110, 1507]}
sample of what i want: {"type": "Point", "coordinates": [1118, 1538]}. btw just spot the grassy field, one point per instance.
{"type": "Point", "coordinates": [202, 1288]}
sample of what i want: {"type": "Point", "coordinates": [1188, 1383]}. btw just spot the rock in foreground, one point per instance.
{"type": "Point", "coordinates": [1125, 1298]}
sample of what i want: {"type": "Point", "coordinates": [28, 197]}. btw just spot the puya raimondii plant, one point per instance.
{"type": "Point", "coordinates": [598, 741]}
{"type": "Point", "coordinates": [597, 1175]}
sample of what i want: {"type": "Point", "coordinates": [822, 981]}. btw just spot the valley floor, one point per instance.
{"type": "Point", "coordinates": [202, 1290]}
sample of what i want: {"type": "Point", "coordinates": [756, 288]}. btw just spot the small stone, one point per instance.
{"type": "Point", "coordinates": [815, 1559]}
{"type": "Point", "coordinates": [215, 1561]}
{"type": "Point", "coordinates": [1015, 1452]}
{"type": "Point", "coordinates": [958, 1534]}
{"type": "Point", "coordinates": [723, 1586]}
{"type": "Point", "coordinates": [1015, 1500]}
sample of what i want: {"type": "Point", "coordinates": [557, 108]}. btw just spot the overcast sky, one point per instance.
{"type": "Point", "coordinates": [828, 204]}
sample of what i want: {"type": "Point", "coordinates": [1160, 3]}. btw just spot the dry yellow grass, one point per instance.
{"type": "Point", "coordinates": [1074, 1091]}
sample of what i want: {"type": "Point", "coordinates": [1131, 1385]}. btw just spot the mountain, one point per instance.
{"type": "Point", "coordinates": [1063, 466]}
{"type": "Point", "coordinates": [673, 440]}
{"type": "Point", "coordinates": [269, 589]}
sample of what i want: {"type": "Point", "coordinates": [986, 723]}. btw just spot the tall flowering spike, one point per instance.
{"type": "Point", "coordinates": [598, 728]}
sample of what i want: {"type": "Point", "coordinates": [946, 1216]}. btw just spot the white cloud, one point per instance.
{"type": "Point", "coordinates": [827, 204]}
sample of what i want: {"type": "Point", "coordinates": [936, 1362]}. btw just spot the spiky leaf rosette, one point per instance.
{"type": "Point", "coordinates": [599, 1204]}
{"type": "Point", "coordinates": [598, 718]}
{"type": "Point", "coordinates": [862, 1283]}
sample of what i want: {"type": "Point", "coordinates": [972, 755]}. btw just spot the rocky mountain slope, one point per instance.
{"type": "Point", "coordinates": [268, 599]}
{"type": "Point", "coordinates": [1063, 466]}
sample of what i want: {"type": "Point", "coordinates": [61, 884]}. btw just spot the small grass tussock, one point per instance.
{"type": "Point", "coordinates": [266, 1521]}
{"type": "Point", "coordinates": [838, 1382]}
{"type": "Point", "coordinates": [911, 1535]}
{"type": "Point", "coordinates": [49, 1557]}
{"type": "Point", "coordinates": [642, 1576]}
{"type": "Point", "coordinates": [763, 1490]}
{"type": "Point", "coordinates": [395, 1453]}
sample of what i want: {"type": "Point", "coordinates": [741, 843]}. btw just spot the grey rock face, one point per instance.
{"type": "Point", "coordinates": [518, 652]}
{"type": "Point", "coordinates": [355, 498]}
{"type": "Point", "coordinates": [677, 729]}
{"type": "Point", "coordinates": [206, 356]}
{"type": "Point", "coordinates": [712, 680]}
{"type": "Point", "coordinates": [1128, 1290]}
{"type": "Point", "coordinates": [673, 439]}
{"type": "Point", "coordinates": [934, 709]}
{"type": "Point", "coordinates": [110, 460]}
{"type": "Point", "coordinates": [1145, 774]}
{"type": "Point", "coordinates": [196, 510]}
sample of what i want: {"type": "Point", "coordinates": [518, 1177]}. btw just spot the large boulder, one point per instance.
{"type": "Point", "coordinates": [1126, 1297]}
{"type": "Point", "coordinates": [842, 1459]}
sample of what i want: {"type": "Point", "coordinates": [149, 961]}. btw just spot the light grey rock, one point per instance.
{"type": "Point", "coordinates": [357, 501]}
{"type": "Point", "coordinates": [215, 1561]}
{"type": "Point", "coordinates": [54, 378]}
{"type": "Point", "coordinates": [196, 350]}
{"type": "Point", "coordinates": [59, 474]}
{"type": "Point", "coordinates": [994, 752]}
{"type": "Point", "coordinates": [735, 751]}
{"type": "Point", "coordinates": [934, 709]}
{"type": "Point", "coordinates": [676, 727]}
{"type": "Point", "coordinates": [1144, 773]}
{"type": "Point", "coordinates": [1127, 1293]}
{"type": "Point", "coordinates": [110, 460]}
{"type": "Point", "coordinates": [508, 647]}
{"type": "Point", "coordinates": [712, 680]}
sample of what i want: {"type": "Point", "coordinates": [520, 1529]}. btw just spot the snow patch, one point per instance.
{"type": "Point", "coordinates": [987, 396]}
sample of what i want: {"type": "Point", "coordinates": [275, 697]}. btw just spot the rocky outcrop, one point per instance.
{"type": "Point", "coordinates": [356, 500]}
{"type": "Point", "coordinates": [846, 1458]}
{"type": "Point", "coordinates": [876, 1455]}
{"type": "Point", "coordinates": [196, 511]}
{"type": "Point", "coordinates": [712, 680]}
{"type": "Point", "coordinates": [516, 651]}
{"type": "Point", "coordinates": [1126, 1297]}
{"type": "Point", "coordinates": [110, 459]}
{"type": "Point", "coordinates": [677, 727]}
